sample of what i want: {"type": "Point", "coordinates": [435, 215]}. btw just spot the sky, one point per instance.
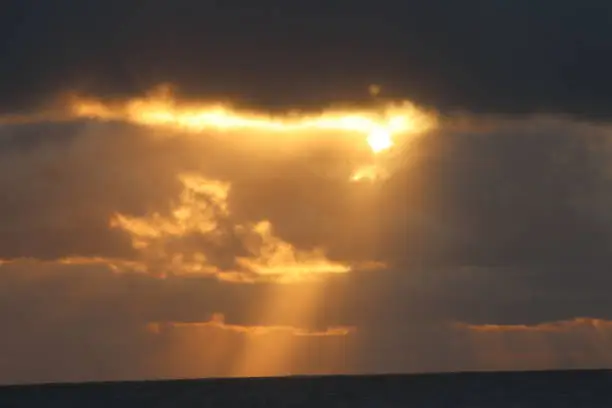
{"type": "Point", "coordinates": [213, 189]}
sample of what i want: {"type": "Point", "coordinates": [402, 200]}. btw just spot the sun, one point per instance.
{"type": "Point", "coordinates": [380, 140]}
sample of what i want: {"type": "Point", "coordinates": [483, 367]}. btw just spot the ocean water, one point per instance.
{"type": "Point", "coordinates": [552, 389]}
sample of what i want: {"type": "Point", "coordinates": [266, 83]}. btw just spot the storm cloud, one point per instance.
{"type": "Point", "coordinates": [496, 56]}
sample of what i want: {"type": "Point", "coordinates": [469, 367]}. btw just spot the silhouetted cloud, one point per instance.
{"type": "Point", "coordinates": [480, 56]}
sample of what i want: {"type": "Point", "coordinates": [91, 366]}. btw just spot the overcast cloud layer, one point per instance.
{"type": "Point", "coordinates": [490, 56]}
{"type": "Point", "coordinates": [495, 228]}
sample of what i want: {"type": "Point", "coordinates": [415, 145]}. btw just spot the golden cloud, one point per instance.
{"type": "Point", "coordinates": [202, 210]}
{"type": "Point", "coordinates": [380, 129]}
{"type": "Point", "coordinates": [548, 327]}
{"type": "Point", "coordinates": [217, 321]}
{"type": "Point", "coordinates": [200, 227]}
{"type": "Point", "coordinates": [160, 108]}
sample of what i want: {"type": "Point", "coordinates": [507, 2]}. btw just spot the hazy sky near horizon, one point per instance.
{"type": "Point", "coordinates": [133, 250]}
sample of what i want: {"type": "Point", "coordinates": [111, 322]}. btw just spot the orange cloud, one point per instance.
{"type": "Point", "coordinates": [580, 342]}
{"type": "Point", "coordinates": [202, 209]}
{"type": "Point", "coordinates": [160, 108]}
{"type": "Point", "coordinates": [566, 326]}
{"type": "Point", "coordinates": [379, 129]}
{"type": "Point", "coordinates": [112, 264]}
{"type": "Point", "coordinates": [217, 321]}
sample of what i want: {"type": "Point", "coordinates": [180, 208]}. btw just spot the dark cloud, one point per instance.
{"type": "Point", "coordinates": [478, 56]}
{"type": "Point", "coordinates": [523, 193]}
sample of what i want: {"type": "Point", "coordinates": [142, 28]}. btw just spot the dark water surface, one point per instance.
{"type": "Point", "coordinates": [552, 389]}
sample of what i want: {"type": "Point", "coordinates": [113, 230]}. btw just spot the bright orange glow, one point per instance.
{"type": "Point", "coordinates": [379, 140]}
{"type": "Point", "coordinates": [201, 209]}
{"type": "Point", "coordinates": [276, 356]}
{"type": "Point", "coordinates": [378, 129]}
{"type": "Point", "coordinates": [199, 235]}
{"type": "Point", "coordinates": [276, 257]}
{"type": "Point", "coordinates": [193, 214]}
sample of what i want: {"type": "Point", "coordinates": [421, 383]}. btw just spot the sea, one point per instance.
{"type": "Point", "coordinates": [545, 389]}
